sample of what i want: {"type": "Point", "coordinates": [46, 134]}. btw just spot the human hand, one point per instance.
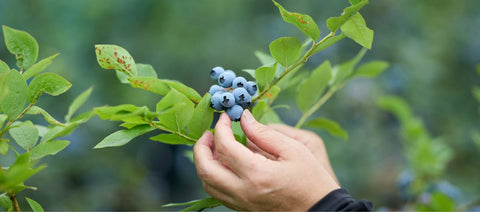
{"type": "Point", "coordinates": [275, 172]}
{"type": "Point", "coordinates": [311, 140]}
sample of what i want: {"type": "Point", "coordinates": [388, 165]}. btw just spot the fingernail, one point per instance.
{"type": "Point", "coordinates": [247, 116]}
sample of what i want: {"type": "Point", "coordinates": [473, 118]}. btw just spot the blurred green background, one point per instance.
{"type": "Point", "coordinates": [432, 47]}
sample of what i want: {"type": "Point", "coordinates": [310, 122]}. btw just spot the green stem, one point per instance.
{"type": "Point", "coordinates": [15, 119]}
{"type": "Point", "coordinates": [193, 140]}
{"type": "Point", "coordinates": [316, 106]}
{"type": "Point", "coordinates": [288, 69]}
{"type": "Point", "coordinates": [15, 203]}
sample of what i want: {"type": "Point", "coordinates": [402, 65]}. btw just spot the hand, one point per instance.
{"type": "Point", "coordinates": [275, 172]}
{"type": "Point", "coordinates": [311, 140]}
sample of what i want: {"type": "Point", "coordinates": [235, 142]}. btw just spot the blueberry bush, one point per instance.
{"type": "Point", "coordinates": [422, 183]}
{"type": "Point", "coordinates": [28, 139]}
{"type": "Point", "coordinates": [182, 114]}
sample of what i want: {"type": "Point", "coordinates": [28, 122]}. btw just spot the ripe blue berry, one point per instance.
{"type": "Point", "coordinates": [214, 89]}
{"type": "Point", "coordinates": [239, 82]}
{"type": "Point", "coordinates": [251, 88]}
{"type": "Point", "coordinates": [215, 101]}
{"type": "Point", "coordinates": [228, 100]}
{"type": "Point", "coordinates": [235, 112]}
{"type": "Point", "coordinates": [226, 78]}
{"type": "Point", "coordinates": [215, 72]}
{"type": "Point", "coordinates": [242, 97]}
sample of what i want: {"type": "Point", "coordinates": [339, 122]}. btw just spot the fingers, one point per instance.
{"type": "Point", "coordinates": [265, 138]}
{"type": "Point", "coordinates": [312, 141]}
{"type": "Point", "coordinates": [234, 154]}
{"type": "Point", "coordinates": [225, 198]}
{"type": "Point", "coordinates": [255, 149]}
{"type": "Point", "coordinates": [209, 169]}
{"type": "Point", "coordinates": [298, 134]}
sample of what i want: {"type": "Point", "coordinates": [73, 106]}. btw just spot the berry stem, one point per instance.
{"type": "Point", "coordinates": [160, 127]}
{"type": "Point", "coordinates": [288, 69]}
{"type": "Point", "coordinates": [316, 106]}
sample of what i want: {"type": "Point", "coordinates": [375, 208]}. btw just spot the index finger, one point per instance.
{"type": "Point", "coordinates": [234, 154]}
{"type": "Point", "coordinates": [209, 169]}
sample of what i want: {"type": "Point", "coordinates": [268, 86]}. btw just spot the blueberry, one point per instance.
{"type": "Point", "coordinates": [235, 112]}
{"type": "Point", "coordinates": [251, 88]}
{"type": "Point", "coordinates": [239, 82]}
{"type": "Point", "coordinates": [242, 97]}
{"type": "Point", "coordinates": [214, 89]}
{"type": "Point", "coordinates": [227, 99]}
{"type": "Point", "coordinates": [226, 78]}
{"type": "Point", "coordinates": [215, 72]}
{"type": "Point", "coordinates": [216, 100]}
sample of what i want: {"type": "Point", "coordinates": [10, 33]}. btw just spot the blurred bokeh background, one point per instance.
{"type": "Point", "coordinates": [432, 48]}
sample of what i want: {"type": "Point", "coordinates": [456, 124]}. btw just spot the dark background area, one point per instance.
{"type": "Point", "coordinates": [432, 48]}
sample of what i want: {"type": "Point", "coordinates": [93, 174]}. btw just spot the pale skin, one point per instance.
{"type": "Point", "coordinates": [282, 168]}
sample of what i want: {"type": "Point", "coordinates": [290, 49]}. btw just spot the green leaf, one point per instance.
{"type": "Point", "coordinates": [49, 83]}
{"type": "Point", "coordinates": [6, 203]}
{"type": "Point", "coordinates": [334, 23]}
{"type": "Point", "coordinates": [272, 94]}
{"type": "Point", "coordinates": [476, 139]}
{"type": "Point", "coordinates": [265, 75]}
{"type": "Point", "coordinates": [259, 109]}
{"type": "Point", "coordinates": [151, 84]}
{"type": "Point", "coordinates": [14, 102]}
{"type": "Point", "coordinates": [127, 113]}
{"type": "Point", "coordinates": [371, 69]}
{"type": "Point", "coordinates": [146, 70]}
{"type": "Point", "coordinates": [122, 137]}
{"type": "Point", "coordinates": [26, 135]}
{"type": "Point", "coordinates": [171, 139]}
{"type": "Point", "coordinates": [328, 42]}
{"type": "Point", "coordinates": [202, 117]}
{"type": "Point", "coordinates": [265, 59]}
{"type": "Point", "coordinates": [4, 67]}
{"type": "Point", "coordinates": [270, 116]}
{"type": "Point", "coordinates": [189, 155]}
{"type": "Point", "coordinates": [344, 71]}
{"type": "Point", "coordinates": [77, 103]}
{"type": "Point", "coordinates": [34, 110]}
{"type": "Point", "coordinates": [303, 22]}
{"type": "Point", "coordinates": [175, 110]}
{"type": "Point", "coordinates": [196, 205]}
{"type": "Point", "coordinates": [22, 45]}
{"type": "Point", "coordinates": [354, 2]}
{"type": "Point", "coordinates": [39, 67]}
{"type": "Point", "coordinates": [3, 146]}
{"type": "Point", "coordinates": [4, 91]}
{"type": "Point", "coordinates": [192, 94]}
{"type": "Point", "coordinates": [3, 118]}
{"type": "Point", "coordinates": [251, 72]}
{"type": "Point", "coordinates": [312, 88]}
{"type": "Point", "coordinates": [476, 93]}
{"type": "Point", "coordinates": [397, 106]}
{"type": "Point", "coordinates": [478, 69]}
{"type": "Point", "coordinates": [115, 57]}
{"type": "Point", "coordinates": [59, 131]}
{"type": "Point", "coordinates": [356, 29]}
{"type": "Point", "coordinates": [286, 50]}
{"type": "Point", "coordinates": [143, 70]}
{"type": "Point", "coordinates": [49, 148]}
{"type": "Point", "coordinates": [34, 205]}
{"type": "Point", "coordinates": [17, 173]}
{"type": "Point", "coordinates": [332, 127]}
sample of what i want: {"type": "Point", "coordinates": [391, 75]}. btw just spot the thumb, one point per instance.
{"type": "Point", "coordinates": [264, 137]}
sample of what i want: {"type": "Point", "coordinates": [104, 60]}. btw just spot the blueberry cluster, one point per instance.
{"type": "Point", "coordinates": [232, 94]}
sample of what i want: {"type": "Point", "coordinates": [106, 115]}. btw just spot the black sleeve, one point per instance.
{"type": "Point", "coordinates": [340, 200]}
